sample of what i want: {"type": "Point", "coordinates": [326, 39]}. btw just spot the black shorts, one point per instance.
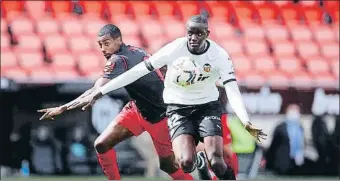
{"type": "Point", "coordinates": [197, 120]}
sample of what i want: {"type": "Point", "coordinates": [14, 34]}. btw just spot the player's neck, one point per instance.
{"type": "Point", "coordinates": [204, 48]}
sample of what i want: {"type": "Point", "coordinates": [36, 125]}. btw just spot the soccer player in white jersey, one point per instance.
{"type": "Point", "coordinates": [193, 111]}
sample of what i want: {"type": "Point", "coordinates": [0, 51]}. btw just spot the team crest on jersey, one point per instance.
{"type": "Point", "coordinates": [207, 67]}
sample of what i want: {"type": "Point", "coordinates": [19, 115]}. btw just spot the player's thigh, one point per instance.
{"type": "Point", "coordinates": [213, 146]}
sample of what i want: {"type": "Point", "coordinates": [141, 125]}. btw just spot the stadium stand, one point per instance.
{"type": "Point", "coordinates": [290, 42]}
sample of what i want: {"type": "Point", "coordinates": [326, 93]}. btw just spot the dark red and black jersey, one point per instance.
{"type": "Point", "coordinates": [146, 91]}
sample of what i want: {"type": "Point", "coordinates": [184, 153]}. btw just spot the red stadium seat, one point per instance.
{"type": "Point", "coordinates": [301, 80]}
{"type": "Point", "coordinates": [128, 26]}
{"type": "Point", "coordinates": [14, 73]}
{"type": "Point", "coordinates": [60, 8]}
{"type": "Point", "coordinates": [242, 64]}
{"type": "Point", "coordinates": [80, 44]}
{"type": "Point", "coordinates": [55, 44]}
{"type": "Point", "coordinates": [291, 12]}
{"type": "Point", "coordinates": [4, 26]}
{"type": "Point", "coordinates": [244, 11]}
{"type": "Point", "coordinates": [333, 8]}
{"type": "Point", "coordinates": [253, 32]}
{"type": "Point", "coordinates": [164, 8]}
{"type": "Point", "coordinates": [254, 79]}
{"type": "Point", "coordinates": [140, 8]}
{"type": "Point", "coordinates": [117, 7]}
{"type": "Point", "coordinates": [72, 27]}
{"type": "Point", "coordinates": [35, 9]}
{"type": "Point", "coordinates": [66, 74]}
{"type": "Point", "coordinates": [154, 25]}
{"type": "Point", "coordinates": [301, 33]}
{"type": "Point", "coordinates": [42, 74]}
{"type": "Point", "coordinates": [256, 48]}
{"type": "Point", "coordinates": [94, 74]}
{"type": "Point", "coordinates": [221, 30]}
{"type": "Point", "coordinates": [313, 13]}
{"type": "Point", "coordinates": [233, 46]}
{"type": "Point", "coordinates": [188, 8]}
{"type": "Point", "coordinates": [307, 49]}
{"type": "Point", "coordinates": [335, 68]}
{"type": "Point", "coordinates": [5, 42]}
{"type": "Point", "coordinates": [29, 43]}
{"type": "Point", "coordinates": [218, 9]}
{"type": "Point", "coordinates": [330, 50]}
{"type": "Point", "coordinates": [88, 61]}
{"type": "Point", "coordinates": [62, 61]}
{"type": "Point", "coordinates": [336, 32]}
{"type": "Point", "coordinates": [277, 79]}
{"type": "Point", "coordinates": [8, 60]}
{"type": "Point", "coordinates": [92, 27]}
{"type": "Point", "coordinates": [95, 8]}
{"type": "Point", "coordinates": [156, 44]}
{"type": "Point", "coordinates": [174, 29]}
{"type": "Point", "coordinates": [289, 65]}
{"type": "Point", "coordinates": [30, 60]}
{"type": "Point", "coordinates": [22, 25]}
{"type": "Point", "coordinates": [323, 34]}
{"type": "Point", "coordinates": [264, 64]}
{"type": "Point", "coordinates": [12, 8]}
{"type": "Point", "coordinates": [267, 11]}
{"type": "Point", "coordinates": [325, 80]}
{"type": "Point", "coordinates": [133, 40]}
{"type": "Point", "coordinates": [317, 65]}
{"type": "Point", "coordinates": [283, 48]}
{"type": "Point", "coordinates": [276, 32]}
{"type": "Point", "coordinates": [47, 26]}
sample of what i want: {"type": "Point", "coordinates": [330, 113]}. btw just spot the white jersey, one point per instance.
{"type": "Point", "coordinates": [214, 64]}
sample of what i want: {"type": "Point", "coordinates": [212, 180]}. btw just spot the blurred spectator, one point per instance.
{"type": "Point", "coordinates": [286, 152]}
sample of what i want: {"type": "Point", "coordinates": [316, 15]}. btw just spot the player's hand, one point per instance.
{"type": "Point", "coordinates": [51, 112]}
{"type": "Point", "coordinates": [86, 101]}
{"type": "Point", "coordinates": [256, 132]}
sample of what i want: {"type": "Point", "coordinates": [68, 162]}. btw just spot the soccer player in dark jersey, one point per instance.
{"type": "Point", "coordinates": [145, 113]}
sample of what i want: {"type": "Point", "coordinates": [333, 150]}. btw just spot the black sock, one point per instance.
{"type": "Point", "coordinates": [202, 167]}
{"type": "Point", "coordinates": [228, 175]}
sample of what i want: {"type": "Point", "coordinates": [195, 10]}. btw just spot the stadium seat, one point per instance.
{"type": "Point", "coordinates": [66, 75]}
{"type": "Point", "coordinates": [11, 8]}
{"type": "Point", "coordinates": [29, 43]}
{"type": "Point", "coordinates": [94, 74]}
{"type": "Point", "coordinates": [277, 79]}
{"type": "Point", "coordinates": [88, 61]}
{"type": "Point", "coordinates": [30, 60]}
{"type": "Point", "coordinates": [188, 8]}
{"type": "Point", "coordinates": [317, 65]}
{"type": "Point", "coordinates": [244, 11]}
{"type": "Point", "coordinates": [330, 50]}
{"type": "Point", "coordinates": [92, 28]}
{"type": "Point", "coordinates": [291, 12]}
{"type": "Point", "coordinates": [14, 73]}
{"type": "Point", "coordinates": [22, 25]}
{"type": "Point", "coordinates": [63, 61]}
{"type": "Point", "coordinates": [253, 32]}
{"type": "Point", "coordinates": [323, 34]}
{"type": "Point", "coordinates": [307, 49]}
{"type": "Point", "coordinates": [312, 13]}
{"type": "Point", "coordinates": [164, 8]}
{"type": "Point", "coordinates": [55, 44]}
{"type": "Point", "coordinates": [127, 25]}
{"type": "Point", "coordinates": [256, 48]}
{"type": "Point", "coordinates": [154, 25]}
{"type": "Point", "coordinates": [60, 8]}
{"type": "Point", "coordinates": [156, 44]}
{"type": "Point", "coordinates": [221, 30]}
{"type": "Point", "coordinates": [218, 10]}
{"type": "Point", "coordinates": [275, 32]}
{"type": "Point", "coordinates": [254, 79]}
{"type": "Point", "coordinates": [283, 48]}
{"type": "Point", "coordinates": [335, 68]}
{"type": "Point", "coordinates": [35, 9]}
{"type": "Point", "coordinates": [5, 42]}
{"type": "Point", "coordinates": [133, 40]}
{"type": "Point", "coordinates": [325, 80]}
{"type": "Point", "coordinates": [301, 33]}
{"type": "Point", "coordinates": [8, 60]}
{"type": "Point", "coordinates": [268, 12]}
{"type": "Point", "coordinates": [93, 8]}
{"type": "Point", "coordinates": [4, 26]}
{"type": "Point", "coordinates": [264, 64]}
{"type": "Point", "coordinates": [47, 26]}
{"type": "Point", "coordinates": [71, 28]}
{"type": "Point", "coordinates": [42, 74]}
{"type": "Point", "coordinates": [80, 44]}
{"type": "Point", "coordinates": [289, 65]}
{"type": "Point", "coordinates": [332, 7]}
{"type": "Point", "coordinates": [242, 64]}
{"type": "Point", "coordinates": [141, 8]}
{"type": "Point", "coordinates": [117, 7]}
{"type": "Point", "coordinates": [301, 80]}
{"type": "Point", "coordinates": [234, 46]}
{"type": "Point", "coordinates": [174, 29]}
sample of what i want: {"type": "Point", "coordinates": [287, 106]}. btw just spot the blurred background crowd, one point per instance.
{"type": "Point", "coordinates": [285, 53]}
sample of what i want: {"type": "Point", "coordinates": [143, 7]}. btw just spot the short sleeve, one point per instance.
{"type": "Point", "coordinates": [226, 68]}
{"type": "Point", "coordinates": [115, 66]}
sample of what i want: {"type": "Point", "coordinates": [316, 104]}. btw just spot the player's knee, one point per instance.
{"type": "Point", "coordinates": [217, 163]}
{"type": "Point", "coordinates": [101, 145]}
{"type": "Point", "coordinates": [187, 164]}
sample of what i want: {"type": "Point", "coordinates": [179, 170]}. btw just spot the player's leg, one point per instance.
{"type": "Point", "coordinates": [160, 136]}
{"type": "Point", "coordinates": [124, 126]}
{"type": "Point", "coordinates": [182, 133]}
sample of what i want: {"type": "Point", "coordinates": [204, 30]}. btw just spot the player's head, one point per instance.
{"type": "Point", "coordinates": [197, 32]}
{"type": "Point", "coordinates": [293, 112]}
{"type": "Point", "coordinates": [109, 39]}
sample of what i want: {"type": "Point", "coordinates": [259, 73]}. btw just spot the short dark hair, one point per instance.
{"type": "Point", "coordinates": [111, 29]}
{"type": "Point", "coordinates": [201, 18]}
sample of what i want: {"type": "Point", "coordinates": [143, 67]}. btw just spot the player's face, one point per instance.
{"type": "Point", "coordinates": [197, 33]}
{"type": "Point", "coordinates": [109, 45]}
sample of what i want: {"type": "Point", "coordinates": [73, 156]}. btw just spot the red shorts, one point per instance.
{"type": "Point", "coordinates": [131, 119]}
{"type": "Point", "coordinates": [226, 132]}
